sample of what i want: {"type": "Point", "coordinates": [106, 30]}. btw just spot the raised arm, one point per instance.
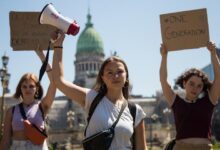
{"type": "Point", "coordinates": [47, 101]}
{"type": "Point", "coordinates": [214, 90]}
{"type": "Point", "coordinates": [167, 90]}
{"type": "Point", "coordinates": [71, 90]}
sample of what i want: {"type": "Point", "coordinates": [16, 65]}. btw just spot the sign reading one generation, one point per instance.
{"type": "Point", "coordinates": [27, 33]}
{"type": "Point", "coordinates": [185, 30]}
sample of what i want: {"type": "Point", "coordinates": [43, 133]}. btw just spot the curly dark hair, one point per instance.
{"type": "Point", "coordinates": [194, 72]}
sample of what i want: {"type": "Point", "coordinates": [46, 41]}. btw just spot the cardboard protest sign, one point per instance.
{"type": "Point", "coordinates": [27, 33]}
{"type": "Point", "coordinates": [185, 30]}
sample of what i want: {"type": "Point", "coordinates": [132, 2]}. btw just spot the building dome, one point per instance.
{"type": "Point", "coordinates": [89, 40]}
{"type": "Point", "coordinates": [89, 56]}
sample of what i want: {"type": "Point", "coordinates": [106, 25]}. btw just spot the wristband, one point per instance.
{"type": "Point", "coordinates": [58, 46]}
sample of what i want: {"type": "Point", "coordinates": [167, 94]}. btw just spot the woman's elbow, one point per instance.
{"type": "Point", "coordinates": [58, 81]}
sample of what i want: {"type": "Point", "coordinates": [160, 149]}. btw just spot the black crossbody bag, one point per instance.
{"type": "Point", "coordinates": [103, 139]}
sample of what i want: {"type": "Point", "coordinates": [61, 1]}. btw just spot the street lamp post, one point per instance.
{"type": "Point", "coordinates": [70, 118]}
{"type": "Point", "coordinates": [166, 112]}
{"type": "Point", "coordinates": [5, 76]}
{"type": "Point", "coordinates": [152, 118]}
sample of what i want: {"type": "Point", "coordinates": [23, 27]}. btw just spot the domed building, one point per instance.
{"type": "Point", "coordinates": [89, 56]}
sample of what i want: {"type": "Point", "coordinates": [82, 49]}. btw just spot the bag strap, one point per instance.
{"type": "Point", "coordinates": [94, 104]}
{"type": "Point", "coordinates": [13, 110]}
{"type": "Point", "coordinates": [45, 63]}
{"type": "Point", "coordinates": [120, 113]}
{"type": "Point", "coordinates": [23, 114]}
{"type": "Point", "coordinates": [97, 99]}
{"type": "Point", "coordinates": [92, 108]}
{"type": "Point", "coordinates": [42, 112]}
{"type": "Point", "coordinates": [132, 108]}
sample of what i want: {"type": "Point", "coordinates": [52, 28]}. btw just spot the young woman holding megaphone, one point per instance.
{"type": "Point", "coordinates": [112, 90]}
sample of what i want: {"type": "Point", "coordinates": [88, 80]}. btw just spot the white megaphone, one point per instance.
{"type": "Point", "coordinates": [49, 15]}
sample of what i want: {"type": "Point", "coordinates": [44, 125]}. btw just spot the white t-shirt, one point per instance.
{"type": "Point", "coordinates": [105, 115]}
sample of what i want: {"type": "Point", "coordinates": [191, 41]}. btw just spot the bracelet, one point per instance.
{"type": "Point", "coordinates": [49, 70]}
{"type": "Point", "coordinates": [58, 47]}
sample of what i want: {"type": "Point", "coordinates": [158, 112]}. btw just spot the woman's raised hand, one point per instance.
{"type": "Point", "coordinates": [57, 38]}
{"type": "Point", "coordinates": [211, 47]}
{"type": "Point", "coordinates": [163, 50]}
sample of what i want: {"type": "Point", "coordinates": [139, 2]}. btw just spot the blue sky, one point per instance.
{"type": "Point", "coordinates": [132, 28]}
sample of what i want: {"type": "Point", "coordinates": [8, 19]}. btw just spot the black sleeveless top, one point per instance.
{"type": "Point", "coordinates": [193, 120]}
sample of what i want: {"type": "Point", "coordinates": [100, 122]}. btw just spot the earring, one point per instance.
{"type": "Point", "coordinates": [36, 94]}
{"type": "Point", "coordinates": [126, 84]}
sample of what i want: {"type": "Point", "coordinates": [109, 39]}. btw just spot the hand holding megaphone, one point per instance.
{"type": "Point", "coordinates": [49, 15]}
{"type": "Point", "coordinates": [57, 38]}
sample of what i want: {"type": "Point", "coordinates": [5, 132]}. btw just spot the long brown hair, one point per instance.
{"type": "Point", "coordinates": [25, 77]}
{"type": "Point", "coordinates": [194, 72]}
{"type": "Point", "coordinates": [100, 85]}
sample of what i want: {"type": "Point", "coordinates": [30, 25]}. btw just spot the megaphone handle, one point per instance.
{"type": "Point", "coordinates": [58, 36]}
{"type": "Point", "coordinates": [44, 65]}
